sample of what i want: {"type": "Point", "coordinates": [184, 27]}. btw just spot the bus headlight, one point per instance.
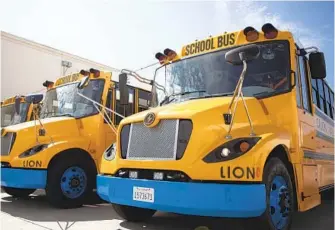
{"type": "Point", "coordinates": [109, 154]}
{"type": "Point", "coordinates": [231, 149]}
{"type": "Point", "coordinates": [32, 151]}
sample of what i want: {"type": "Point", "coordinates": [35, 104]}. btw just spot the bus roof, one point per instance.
{"type": "Point", "coordinates": [225, 40]}
{"type": "Point", "coordinates": [11, 100]}
{"type": "Point", "coordinates": [77, 76]}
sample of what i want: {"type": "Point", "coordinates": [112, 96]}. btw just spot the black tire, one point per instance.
{"type": "Point", "coordinates": [328, 194]}
{"type": "Point", "coordinates": [274, 168]}
{"type": "Point", "coordinates": [133, 214]}
{"type": "Point", "coordinates": [18, 192]}
{"type": "Point", "coordinates": [54, 193]}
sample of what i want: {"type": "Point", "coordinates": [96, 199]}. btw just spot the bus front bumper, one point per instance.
{"type": "Point", "coordinates": [203, 199]}
{"type": "Point", "coordinates": [23, 178]}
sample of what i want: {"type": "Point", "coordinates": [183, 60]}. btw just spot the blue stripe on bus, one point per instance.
{"type": "Point", "coordinates": [318, 156]}
{"type": "Point", "coordinates": [324, 137]}
{"type": "Point", "coordinates": [327, 119]}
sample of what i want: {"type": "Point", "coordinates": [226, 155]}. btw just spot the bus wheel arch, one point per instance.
{"type": "Point", "coordinates": [279, 185]}
{"type": "Point", "coordinates": [71, 178]}
{"type": "Point", "coordinates": [282, 152]}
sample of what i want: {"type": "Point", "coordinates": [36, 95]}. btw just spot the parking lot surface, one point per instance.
{"type": "Point", "coordinates": [35, 213]}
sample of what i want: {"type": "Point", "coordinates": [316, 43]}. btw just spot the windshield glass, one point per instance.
{"type": "Point", "coordinates": [8, 116]}
{"type": "Point", "coordinates": [211, 75]}
{"type": "Point", "coordinates": [64, 100]}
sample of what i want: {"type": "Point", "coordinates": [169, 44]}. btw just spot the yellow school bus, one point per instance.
{"type": "Point", "coordinates": [16, 110]}
{"type": "Point", "coordinates": [61, 151]}
{"type": "Point", "coordinates": [243, 127]}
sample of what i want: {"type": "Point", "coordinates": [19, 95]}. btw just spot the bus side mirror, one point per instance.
{"type": "Point", "coordinates": [317, 65]}
{"type": "Point", "coordinates": [124, 94]}
{"type": "Point", "coordinates": [245, 53]}
{"type": "Point", "coordinates": [17, 105]}
{"type": "Point", "coordinates": [34, 98]}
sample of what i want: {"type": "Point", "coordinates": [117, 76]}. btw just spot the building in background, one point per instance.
{"type": "Point", "coordinates": [25, 65]}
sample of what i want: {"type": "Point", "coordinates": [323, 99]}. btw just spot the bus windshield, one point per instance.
{"type": "Point", "coordinates": [64, 100]}
{"type": "Point", "coordinates": [210, 75]}
{"type": "Point", "coordinates": [8, 116]}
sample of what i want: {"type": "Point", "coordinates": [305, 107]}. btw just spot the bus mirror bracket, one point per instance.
{"type": "Point", "coordinates": [240, 56]}
{"type": "Point", "coordinates": [316, 61]}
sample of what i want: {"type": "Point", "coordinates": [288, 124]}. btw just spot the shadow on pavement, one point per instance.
{"type": "Point", "coordinates": [36, 208]}
{"type": "Point", "coordinates": [321, 217]}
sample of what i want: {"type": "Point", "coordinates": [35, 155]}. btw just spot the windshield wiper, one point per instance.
{"type": "Point", "coordinates": [166, 99]}
{"type": "Point", "coordinates": [63, 115]}
{"type": "Point", "coordinates": [214, 95]}
{"type": "Point", "coordinates": [263, 93]}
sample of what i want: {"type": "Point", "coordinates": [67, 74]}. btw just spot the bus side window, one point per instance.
{"type": "Point", "coordinates": [315, 93]}
{"type": "Point", "coordinates": [327, 100]}
{"type": "Point", "coordinates": [130, 108]}
{"type": "Point", "coordinates": [331, 95]}
{"type": "Point", "coordinates": [298, 86]}
{"type": "Point", "coordinates": [322, 96]}
{"type": "Point", "coordinates": [304, 84]}
{"type": "Point", "coordinates": [143, 100]}
{"type": "Point", "coordinates": [125, 110]}
{"type": "Point", "coordinates": [109, 104]}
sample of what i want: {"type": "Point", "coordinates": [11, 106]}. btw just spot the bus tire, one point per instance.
{"type": "Point", "coordinates": [133, 214]}
{"type": "Point", "coordinates": [70, 182]}
{"type": "Point", "coordinates": [18, 192]}
{"type": "Point", "coordinates": [328, 194]}
{"type": "Point", "coordinates": [279, 198]}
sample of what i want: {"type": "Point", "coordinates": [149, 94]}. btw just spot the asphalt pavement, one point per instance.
{"type": "Point", "coordinates": [35, 213]}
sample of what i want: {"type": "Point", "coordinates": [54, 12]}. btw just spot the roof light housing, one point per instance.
{"type": "Point", "coordinates": [163, 59]}
{"type": "Point", "coordinates": [171, 54]}
{"type": "Point", "coordinates": [48, 84]}
{"type": "Point", "coordinates": [84, 72]}
{"type": "Point", "coordinates": [95, 72]}
{"type": "Point", "coordinates": [270, 32]}
{"type": "Point", "coordinates": [251, 34]}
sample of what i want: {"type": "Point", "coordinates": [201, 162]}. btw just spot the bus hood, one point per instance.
{"type": "Point", "coordinates": [46, 122]}
{"type": "Point", "coordinates": [208, 108]}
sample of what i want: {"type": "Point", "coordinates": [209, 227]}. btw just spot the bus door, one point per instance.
{"type": "Point", "coordinates": [307, 132]}
{"type": "Point", "coordinates": [110, 135]}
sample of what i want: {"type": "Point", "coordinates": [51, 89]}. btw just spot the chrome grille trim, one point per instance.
{"type": "Point", "coordinates": [176, 140]}
{"type": "Point", "coordinates": [129, 141]}
{"type": "Point", "coordinates": [172, 156]}
{"type": "Point", "coordinates": [6, 143]}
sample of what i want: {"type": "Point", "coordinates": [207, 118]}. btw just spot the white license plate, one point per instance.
{"type": "Point", "coordinates": [144, 194]}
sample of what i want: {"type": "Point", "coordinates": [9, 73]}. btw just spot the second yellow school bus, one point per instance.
{"type": "Point", "coordinates": [243, 127]}
{"type": "Point", "coordinates": [61, 151]}
{"type": "Point", "coordinates": [11, 115]}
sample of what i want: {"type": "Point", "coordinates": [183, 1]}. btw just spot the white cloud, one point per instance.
{"type": "Point", "coordinates": [238, 15]}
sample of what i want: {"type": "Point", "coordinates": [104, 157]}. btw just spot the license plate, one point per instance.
{"type": "Point", "coordinates": [144, 194]}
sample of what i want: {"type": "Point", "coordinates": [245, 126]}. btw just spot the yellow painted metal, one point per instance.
{"type": "Point", "coordinates": [276, 119]}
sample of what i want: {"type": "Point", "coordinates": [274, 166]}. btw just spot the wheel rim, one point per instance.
{"type": "Point", "coordinates": [280, 202]}
{"type": "Point", "coordinates": [73, 182]}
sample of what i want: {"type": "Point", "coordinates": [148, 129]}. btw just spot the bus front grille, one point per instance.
{"type": "Point", "coordinates": [154, 143]}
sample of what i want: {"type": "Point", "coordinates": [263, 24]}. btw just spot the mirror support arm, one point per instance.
{"type": "Point", "coordinates": [142, 79]}
{"type": "Point", "coordinates": [237, 94]}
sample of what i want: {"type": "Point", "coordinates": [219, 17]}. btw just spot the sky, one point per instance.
{"type": "Point", "coordinates": [127, 34]}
